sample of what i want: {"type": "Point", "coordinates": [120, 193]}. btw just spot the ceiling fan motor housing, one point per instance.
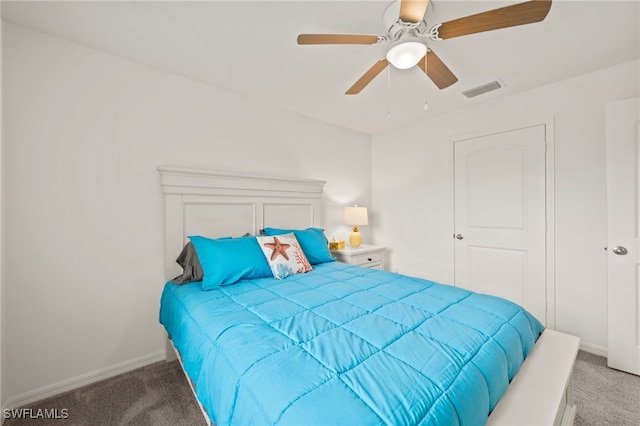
{"type": "Point", "coordinates": [398, 29]}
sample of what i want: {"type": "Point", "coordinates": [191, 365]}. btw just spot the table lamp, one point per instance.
{"type": "Point", "coordinates": [355, 216]}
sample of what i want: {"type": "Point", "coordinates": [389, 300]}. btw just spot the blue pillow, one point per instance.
{"type": "Point", "coordinates": [312, 240]}
{"type": "Point", "coordinates": [227, 261]}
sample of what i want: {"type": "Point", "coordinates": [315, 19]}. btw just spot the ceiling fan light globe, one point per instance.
{"type": "Point", "coordinates": [406, 55]}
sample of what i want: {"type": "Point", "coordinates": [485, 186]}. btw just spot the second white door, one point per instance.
{"type": "Point", "coordinates": [500, 216]}
{"type": "Point", "coordinates": [623, 211]}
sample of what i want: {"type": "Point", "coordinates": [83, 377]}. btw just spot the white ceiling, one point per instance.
{"type": "Point", "coordinates": [249, 47]}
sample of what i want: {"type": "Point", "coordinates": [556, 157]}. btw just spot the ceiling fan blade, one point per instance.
{"type": "Point", "coordinates": [413, 10]}
{"type": "Point", "coordinates": [337, 39]}
{"type": "Point", "coordinates": [504, 17]}
{"type": "Point", "coordinates": [368, 77]}
{"type": "Point", "coordinates": [437, 71]}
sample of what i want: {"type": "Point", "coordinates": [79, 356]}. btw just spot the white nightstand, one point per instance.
{"type": "Point", "coordinates": [366, 255]}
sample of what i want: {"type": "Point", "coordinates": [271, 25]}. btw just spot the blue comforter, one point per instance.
{"type": "Point", "coordinates": [345, 345]}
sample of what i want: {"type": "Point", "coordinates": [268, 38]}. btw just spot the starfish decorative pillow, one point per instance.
{"type": "Point", "coordinates": [284, 255]}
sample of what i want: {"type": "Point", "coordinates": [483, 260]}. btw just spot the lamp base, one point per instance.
{"type": "Point", "coordinates": [355, 239]}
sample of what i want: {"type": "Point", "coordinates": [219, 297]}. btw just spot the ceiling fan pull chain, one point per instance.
{"type": "Point", "coordinates": [426, 82]}
{"type": "Point", "coordinates": [388, 92]}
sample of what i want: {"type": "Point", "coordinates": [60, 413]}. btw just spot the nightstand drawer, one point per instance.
{"type": "Point", "coordinates": [364, 259]}
{"type": "Point", "coordinates": [367, 256]}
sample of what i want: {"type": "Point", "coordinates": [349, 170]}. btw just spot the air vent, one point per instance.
{"type": "Point", "coordinates": [494, 85]}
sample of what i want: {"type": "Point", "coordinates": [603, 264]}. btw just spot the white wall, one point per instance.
{"type": "Point", "coordinates": [412, 189]}
{"type": "Point", "coordinates": [84, 133]}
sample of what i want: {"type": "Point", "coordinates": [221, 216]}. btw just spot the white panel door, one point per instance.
{"type": "Point", "coordinates": [623, 258]}
{"type": "Point", "coordinates": [500, 243]}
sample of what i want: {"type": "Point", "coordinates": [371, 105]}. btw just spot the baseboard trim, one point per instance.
{"type": "Point", "coordinates": [594, 349]}
{"type": "Point", "coordinates": [82, 380]}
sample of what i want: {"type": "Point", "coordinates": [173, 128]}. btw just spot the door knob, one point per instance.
{"type": "Point", "coordinates": [459, 236]}
{"type": "Point", "coordinates": [619, 250]}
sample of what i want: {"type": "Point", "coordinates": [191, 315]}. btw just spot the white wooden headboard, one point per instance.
{"type": "Point", "coordinates": [220, 204]}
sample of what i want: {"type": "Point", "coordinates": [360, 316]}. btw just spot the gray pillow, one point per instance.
{"type": "Point", "coordinates": [191, 268]}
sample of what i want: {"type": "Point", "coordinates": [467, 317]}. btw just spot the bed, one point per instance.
{"type": "Point", "coordinates": [342, 344]}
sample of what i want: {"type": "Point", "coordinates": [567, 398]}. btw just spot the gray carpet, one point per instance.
{"type": "Point", "coordinates": [156, 395]}
{"type": "Point", "coordinates": [159, 395]}
{"type": "Point", "coordinates": [604, 396]}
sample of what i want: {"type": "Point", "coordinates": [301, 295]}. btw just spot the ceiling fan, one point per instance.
{"type": "Point", "coordinates": [407, 35]}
